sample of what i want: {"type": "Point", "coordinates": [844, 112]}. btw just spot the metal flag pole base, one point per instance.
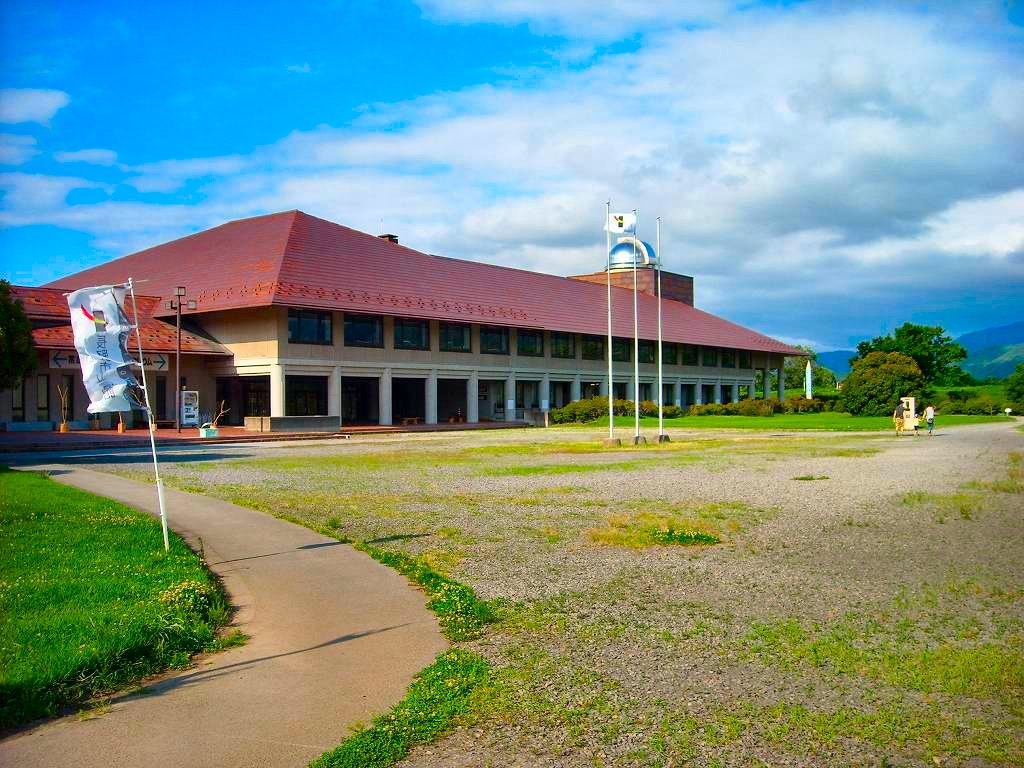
{"type": "Point", "coordinates": [611, 442]}
{"type": "Point", "coordinates": [639, 440]}
{"type": "Point", "coordinates": [664, 439]}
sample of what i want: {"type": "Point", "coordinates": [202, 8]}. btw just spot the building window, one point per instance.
{"type": "Point", "coordinates": [308, 327]}
{"type": "Point", "coordinates": [493, 340]}
{"type": "Point", "coordinates": [709, 356]}
{"type": "Point", "coordinates": [745, 362]}
{"type": "Point", "coordinates": [647, 352]}
{"type": "Point", "coordinates": [18, 401]}
{"type": "Point", "coordinates": [530, 343]}
{"type": "Point", "coordinates": [412, 334]}
{"type": "Point", "coordinates": [364, 331]}
{"type": "Point", "coordinates": [455, 337]}
{"type": "Point", "coordinates": [305, 395]}
{"type": "Point", "coordinates": [42, 397]}
{"type": "Point", "coordinates": [593, 348]}
{"type": "Point", "coordinates": [563, 344]}
{"type": "Point", "coordinates": [728, 358]}
{"type": "Point", "coordinates": [669, 354]}
{"type": "Point", "coordinates": [690, 354]}
{"type": "Point", "coordinates": [621, 350]}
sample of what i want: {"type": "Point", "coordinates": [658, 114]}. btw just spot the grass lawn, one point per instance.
{"type": "Point", "coordinates": [830, 422]}
{"type": "Point", "coordinates": [89, 600]}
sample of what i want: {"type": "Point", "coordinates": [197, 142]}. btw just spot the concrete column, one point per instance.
{"type": "Point", "coordinates": [782, 383]}
{"type": "Point", "coordinates": [576, 390]}
{"type": "Point", "coordinates": [386, 415]}
{"type": "Point", "coordinates": [765, 381]}
{"type": "Point", "coordinates": [630, 390]}
{"type": "Point", "coordinates": [545, 392]}
{"type": "Point", "coordinates": [473, 398]}
{"type": "Point", "coordinates": [276, 390]}
{"type": "Point", "coordinates": [698, 392]}
{"type": "Point", "coordinates": [718, 392]}
{"type": "Point", "coordinates": [602, 388]}
{"type": "Point", "coordinates": [432, 398]}
{"type": "Point", "coordinates": [334, 393]}
{"type": "Point", "coordinates": [677, 393]}
{"type": "Point", "coordinates": [510, 397]}
{"type": "Point", "coordinates": [735, 393]}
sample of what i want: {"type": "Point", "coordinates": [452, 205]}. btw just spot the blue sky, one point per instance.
{"type": "Point", "coordinates": [825, 170]}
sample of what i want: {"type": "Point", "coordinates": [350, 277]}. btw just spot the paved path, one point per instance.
{"type": "Point", "coordinates": [335, 639]}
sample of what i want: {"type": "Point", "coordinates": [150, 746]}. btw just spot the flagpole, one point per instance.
{"type": "Point", "coordinates": [662, 437]}
{"type": "Point", "coordinates": [608, 278]}
{"type": "Point", "coordinates": [636, 339]}
{"type": "Point", "coordinates": [152, 423]}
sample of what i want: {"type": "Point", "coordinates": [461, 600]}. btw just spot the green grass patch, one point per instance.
{"type": "Point", "coordinates": [89, 600]}
{"type": "Point", "coordinates": [436, 700]}
{"type": "Point", "coordinates": [649, 529]}
{"type": "Point", "coordinates": [811, 477]}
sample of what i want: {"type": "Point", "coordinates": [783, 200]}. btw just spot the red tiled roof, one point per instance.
{"type": "Point", "coordinates": [294, 259]}
{"type": "Point", "coordinates": [50, 305]}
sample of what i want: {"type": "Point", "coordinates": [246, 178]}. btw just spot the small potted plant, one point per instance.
{"type": "Point", "coordinates": [62, 392]}
{"type": "Point", "coordinates": [209, 428]}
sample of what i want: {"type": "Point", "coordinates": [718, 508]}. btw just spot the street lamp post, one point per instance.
{"type": "Point", "coordinates": [175, 304]}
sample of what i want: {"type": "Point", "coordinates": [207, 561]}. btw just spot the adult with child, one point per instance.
{"type": "Point", "coordinates": [929, 417]}
{"type": "Point", "coordinates": [898, 418]}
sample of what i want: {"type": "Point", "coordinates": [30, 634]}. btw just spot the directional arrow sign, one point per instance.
{"type": "Point", "coordinates": [61, 359]}
{"type": "Point", "coordinates": [155, 360]}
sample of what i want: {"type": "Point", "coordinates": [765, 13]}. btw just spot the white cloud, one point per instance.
{"type": "Point", "coordinates": [90, 156]}
{"type": "Point", "coordinates": [16, 149]}
{"type": "Point", "coordinates": [30, 105]}
{"type": "Point", "coordinates": [300, 69]}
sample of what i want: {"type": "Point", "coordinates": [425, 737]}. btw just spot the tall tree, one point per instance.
{"type": "Point", "coordinates": [878, 381]}
{"type": "Point", "coordinates": [17, 352]}
{"type": "Point", "coordinates": [1015, 385]}
{"type": "Point", "coordinates": [931, 347]}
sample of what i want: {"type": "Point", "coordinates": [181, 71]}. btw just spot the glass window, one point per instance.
{"type": "Point", "coordinates": [305, 395]}
{"type": "Point", "coordinates": [364, 331]}
{"type": "Point", "coordinates": [690, 354]}
{"type": "Point", "coordinates": [728, 358]}
{"type": "Point", "coordinates": [744, 355]}
{"type": "Point", "coordinates": [709, 356]}
{"type": "Point", "coordinates": [42, 397]}
{"type": "Point", "coordinates": [592, 347]}
{"type": "Point", "coordinates": [530, 343]}
{"type": "Point", "coordinates": [563, 344]}
{"type": "Point", "coordinates": [308, 327]}
{"type": "Point", "coordinates": [494, 340]}
{"type": "Point", "coordinates": [669, 354]}
{"type": "Point", "coordinates": [412, 334]}
{"type": "Point", "coordinates": [18, 401]}
{"type": "Point", "coordinates": [647, 352]}
{"type": "Point", "coordinates": [621, 349]}
{"type": "Point", "coordinates": [455, 337]}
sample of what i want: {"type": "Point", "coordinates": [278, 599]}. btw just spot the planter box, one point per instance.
{"type": "Point", "coordinates": [209, 432]}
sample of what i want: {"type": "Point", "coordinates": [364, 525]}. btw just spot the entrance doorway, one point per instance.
{"type": "Point", "coordinates": [242, 396]}
{"type": "Point", "coordinates": [451, 400]}
{"type": "Point", "coordinates": [408, 399]}
{"type": "Point", "coordinates": [360, 400]}
{"type": "Point", "coordinates": [561, 393]}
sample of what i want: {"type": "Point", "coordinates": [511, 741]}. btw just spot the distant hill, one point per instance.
{"type": "Point", "coordinates": [1004, 335]}
{"type": "Point", "coordinates": [838, 361]}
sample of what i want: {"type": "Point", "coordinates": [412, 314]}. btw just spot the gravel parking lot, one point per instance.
{"type": "Point", "coordinates": [864, 604]}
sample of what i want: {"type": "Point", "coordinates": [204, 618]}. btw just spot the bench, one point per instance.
{"type": "Point", "coordinates": [407, 420]}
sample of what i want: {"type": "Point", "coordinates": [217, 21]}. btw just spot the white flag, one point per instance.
{"type": "Point", "coordinates": [101, 330]}
{"type": "Point", "coordinates": [621, 223]}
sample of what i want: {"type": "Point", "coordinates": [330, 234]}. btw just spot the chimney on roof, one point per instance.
{"type": "Point", "coordinates": [389, 238]}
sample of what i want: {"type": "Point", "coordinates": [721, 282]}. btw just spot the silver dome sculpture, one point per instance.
{"type": "Point", "coordinates": [620, 257]}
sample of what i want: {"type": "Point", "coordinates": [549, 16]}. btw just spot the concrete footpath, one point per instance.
{"type": "Point", "coordinates": [336, 638]}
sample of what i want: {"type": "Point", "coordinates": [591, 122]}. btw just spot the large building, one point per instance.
{"type": "Point", "coordinates": [298, 316]}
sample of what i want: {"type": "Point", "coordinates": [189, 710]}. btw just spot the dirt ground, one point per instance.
{"type": "Point", "coordinates": [864, 604]}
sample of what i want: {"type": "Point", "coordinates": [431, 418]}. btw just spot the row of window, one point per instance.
{"type": "Point", "coordinates": [309, 327]}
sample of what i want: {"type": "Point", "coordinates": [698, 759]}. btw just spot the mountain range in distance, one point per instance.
{"type": "Point", "coordinates": [991, 352]}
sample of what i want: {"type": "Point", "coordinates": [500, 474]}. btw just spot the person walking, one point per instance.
{"type": "Point", "coordinates": [929, 418]}
{"type": "Point", "coordinates": [898, 418]}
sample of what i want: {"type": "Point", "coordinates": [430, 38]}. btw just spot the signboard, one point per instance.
{"type": "Point", "coordinates": [63, 359]}
{"type": "Point", "coordinates": [189, 408]}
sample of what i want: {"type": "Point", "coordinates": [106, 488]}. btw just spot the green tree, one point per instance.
{"type": "Point", "coordinates": [877, 382]}
{"type": "Point", "coordinates": [822, 379]}
{"type": "Point", "coordinates": [931, 347]}
{"type": "Point", "coordinates": [1015, 385]}
{"type": "Point", "coordinates": [17, 352]}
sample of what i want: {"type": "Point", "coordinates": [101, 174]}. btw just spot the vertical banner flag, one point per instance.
{"type": "Point", "coordinates": [621, 223]}
{"type": "Point", "coordinates": [101, 330]}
